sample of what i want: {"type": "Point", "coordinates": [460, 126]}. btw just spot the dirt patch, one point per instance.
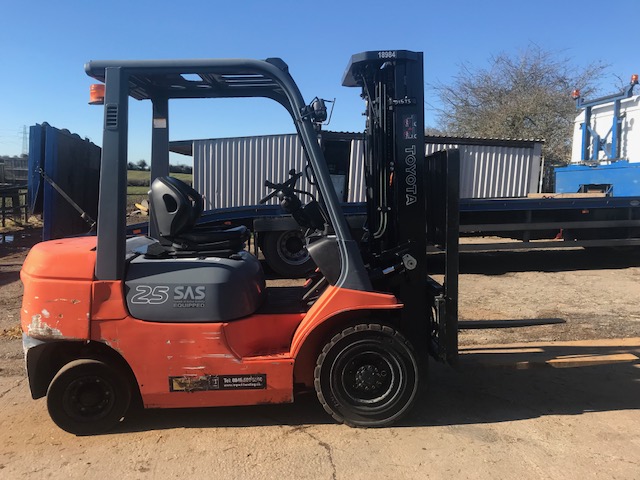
{"type": "Point", "coordinates": [595, 295]}
{"type": "Point", "coordinates": [11, 333]}
{"type": "Point", "coordinates": [12, 255]}
{"type": "Point", "coordinates": [13, 250]}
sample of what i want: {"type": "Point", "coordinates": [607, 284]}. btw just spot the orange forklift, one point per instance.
{"type": "Point", "coordinates": [183, 317]}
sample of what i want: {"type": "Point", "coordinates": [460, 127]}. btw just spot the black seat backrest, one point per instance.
{"type": "Point", "coordinates": [175, 205]}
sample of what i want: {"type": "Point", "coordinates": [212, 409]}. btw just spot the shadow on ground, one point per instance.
{"type": "Point", "coordinates": [499, 263]}
{"type": "Point", "coordinates": [472, 394]}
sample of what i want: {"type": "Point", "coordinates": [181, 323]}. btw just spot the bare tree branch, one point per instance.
{"type": "Point", "coordinates": [526, 95]}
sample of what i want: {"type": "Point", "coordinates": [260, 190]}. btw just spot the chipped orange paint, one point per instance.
{"type": "Point", "coordinates": [57, 278]}
{"type": "Point", "coordinates": [157, 351]}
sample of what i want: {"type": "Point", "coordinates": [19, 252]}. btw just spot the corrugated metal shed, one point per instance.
{"type": "Point", "coordinates": [231, 172]}
{"type": "Point", "coordinates": [494, 168]}
{"type": "Point", "coordinates": [356, 172]}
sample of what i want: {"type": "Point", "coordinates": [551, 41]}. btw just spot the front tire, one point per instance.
{"type": "Point", "coordinates": [367, 376]}
{"type": "Point", "coordinates": [88, 397]}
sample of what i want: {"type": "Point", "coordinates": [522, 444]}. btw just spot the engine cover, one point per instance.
{"type": "Point", "coordinates": [194, 289]}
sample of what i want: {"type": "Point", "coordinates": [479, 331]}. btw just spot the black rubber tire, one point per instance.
{"type": "Point", "coordinates": [282, 255]}
{"type": "Point", "coordinates": [87, 397]}
{"type": "Point", "coordinates": [367, 376]}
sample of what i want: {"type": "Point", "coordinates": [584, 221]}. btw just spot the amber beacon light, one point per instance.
{"type": "Point", "coordinates": [96, 94]}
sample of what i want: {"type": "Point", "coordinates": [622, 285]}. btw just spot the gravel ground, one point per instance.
{"type": "Point", "coordinates": [477, 422]}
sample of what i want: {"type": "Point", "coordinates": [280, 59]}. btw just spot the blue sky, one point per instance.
{"type": "Point", "coordinates": [44, 45]}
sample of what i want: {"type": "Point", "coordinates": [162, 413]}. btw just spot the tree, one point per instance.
{"type": "Point", "coordinates": [142, 165]}
{"type": "Point", "coordinates": [521, 96]}
{"type": "Point", "coordinates": [181, 168]}
{"type": "Point", "coordinates": [432, 131]}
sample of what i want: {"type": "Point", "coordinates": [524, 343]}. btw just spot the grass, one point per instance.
{"type": "Point", "coordinates": [13, 226]}
{"type": "Point", "coordinates": [139, 176]}
{"type": "Point", "coordinates": [137, 190]}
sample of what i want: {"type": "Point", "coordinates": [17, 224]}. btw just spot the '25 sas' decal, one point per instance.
{"type": "Point", "coordinates": [147, 295]}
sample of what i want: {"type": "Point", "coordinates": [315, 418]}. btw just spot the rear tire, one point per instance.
{"type": "Point", "coordinates": [367, 376]}
{"type": "Point", "coordinates": [88, 397]}
{"type": "Point", "coordinates": [286, 254]}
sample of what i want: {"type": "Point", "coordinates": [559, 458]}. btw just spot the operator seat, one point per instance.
{"type": "Point", "coordinates": [191, 273]}
{"type": "Point", "coordinates": [175, 208]}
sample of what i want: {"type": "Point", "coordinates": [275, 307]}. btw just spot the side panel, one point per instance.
{"type": "Point", "coordinates": [194, 290]}
{"type": "Point", "coordinates": [73, 164]}
{"type": "Point", "coordinates": [245, 362]}
{"type": "Point", "coordinates": [195, 365]}
{"type": "Point", "coordinates": [36, 161]}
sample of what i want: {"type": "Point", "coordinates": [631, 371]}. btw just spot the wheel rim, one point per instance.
{"type": "Point", "coordinates": [368, 377]}
{"type": "Point", "coordinates": [291, 248]}
{"type": "Point", "coordinates": [89, 398]}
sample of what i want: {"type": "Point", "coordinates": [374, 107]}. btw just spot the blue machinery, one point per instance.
{"type": "Point", "coordinates": [590, 138]}
{"type": "Point", "coordinates": [612, 175]}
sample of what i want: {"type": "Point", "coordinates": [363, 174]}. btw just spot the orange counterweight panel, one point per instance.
{"type": "Point", "coordinates": [55, 309]}
{"type": "Point", "coordinates": [68, 259]}
{"type": "Point", "coordinates": [57, 277]}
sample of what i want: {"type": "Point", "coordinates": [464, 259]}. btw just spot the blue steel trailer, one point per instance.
{"type": "Point", "coordinates": [545, 222]}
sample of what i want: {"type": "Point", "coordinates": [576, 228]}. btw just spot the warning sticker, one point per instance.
{"type": "Point", "coordinates": [188, 383]}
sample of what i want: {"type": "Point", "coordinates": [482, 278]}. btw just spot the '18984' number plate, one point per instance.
{"type": "Point", "coordinates": [387, 54]}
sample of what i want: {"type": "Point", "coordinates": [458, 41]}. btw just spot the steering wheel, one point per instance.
{"type": "Point", "coordinates": [281, 187]}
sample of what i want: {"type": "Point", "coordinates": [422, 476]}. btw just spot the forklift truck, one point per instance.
{"type": "Point", "coordinates": [183, 317]}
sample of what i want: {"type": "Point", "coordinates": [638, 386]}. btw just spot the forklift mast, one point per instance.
{"type": "Point", "coordinates": [411, 201]}
{"type": "Point", "coordinates": [392, 87]}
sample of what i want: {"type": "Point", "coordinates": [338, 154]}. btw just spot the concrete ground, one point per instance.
{"type": "Point", "coordinates": [505, 413]}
